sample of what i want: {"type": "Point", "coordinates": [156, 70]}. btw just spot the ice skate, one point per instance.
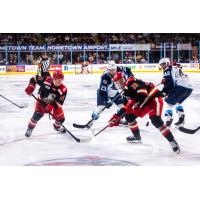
{"type": "Point", "coordinates": [132, 139]}
{"type": "Point", "coordinates": [169, 122]}
{"type": "Point", "coordinates": [28, 132]}
{"type": "Point", "coordinates": [175, 147]}
{"type": "Point", "coordinates": [60, 130]}
{"type": "Point", "coordinates": [180, 122]}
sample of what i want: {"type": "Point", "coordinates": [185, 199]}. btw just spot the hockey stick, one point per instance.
{"type": "Point", "coordinates": [22, 106]}
{"type": "Point", "coordinates": [189, 131]}
{"type": "Point", "coordinates": [74, 137]}
{"type": "Point", "coordinates": [107, 126]}
{"type": "Point", "coordinates": [87, 125]}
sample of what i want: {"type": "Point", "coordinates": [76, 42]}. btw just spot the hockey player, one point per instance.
{"type": "Point", "coordinates": [84, 68]}
{"type": "Point", "coordinates": [177, 88]}
{"type": "Point", "coordinates": [143, 98]}
{"type": "Point", "coordinates": [107, 90]}
{"type": "Point", "coordinates": [52, 94]}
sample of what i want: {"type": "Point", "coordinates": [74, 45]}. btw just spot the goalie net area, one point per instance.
{"type": "Point", "coordinates": [83, 69]}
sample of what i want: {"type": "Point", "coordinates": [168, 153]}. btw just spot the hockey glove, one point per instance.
{"type": "Point", "coordinates": [95, 116]}
{"type": "Point", "coordinates": [114, 121]}
{"type": "Point", "coordinates": [29, 90]}
{"type": "Point", "coordinates": [164, 95]}
{"type": "Point", "coordinates": [108, 104]}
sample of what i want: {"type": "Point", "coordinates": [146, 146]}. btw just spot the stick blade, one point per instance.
{"type": "Point", "coordinates": [79, 125]}
{"type": "Point", "coordinates": [189, 131]}
{"type": "Point", "coordinates": [24, 105]}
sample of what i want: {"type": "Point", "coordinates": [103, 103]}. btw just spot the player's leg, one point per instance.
{"type": "Point", "coordinates": [171, 100]}
{"type": "Point", "coordinates": [131, 119]}
{"type": "Point", "coordinates": [181, 116]}
{"type": "Point", "coordinates": [156, 120]}
{"type": "Point", "coordinates": [185, 93]}
{"type": "Point", "coordinates": [38, 114]}
{"type": "Point", "coordinates": [100, 105]}
{"type": "Point", "coordinates": [135, 137]}
{"type": "Point", "coordinates": [59, 117]}
{"type": "Point", "coordinates": [169, 114]}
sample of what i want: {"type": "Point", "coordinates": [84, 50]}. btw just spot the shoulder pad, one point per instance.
{"type": "Point", "coordinates": [63, 88]}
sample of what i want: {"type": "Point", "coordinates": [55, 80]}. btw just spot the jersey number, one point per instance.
{"type": "Point", "coordinates": [103, 88]}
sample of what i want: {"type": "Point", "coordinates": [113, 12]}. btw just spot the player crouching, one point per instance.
{"type": "Point", "coordinates": [143, 98]}
{"type": "Point", "coordinates": [52, 94]}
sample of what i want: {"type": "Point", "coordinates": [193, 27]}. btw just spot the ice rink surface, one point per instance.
{"type": "Point", "coordinates": [46, 147]}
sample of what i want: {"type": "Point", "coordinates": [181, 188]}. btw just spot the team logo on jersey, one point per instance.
{"type": "Point", "coordinates": [62, 98]}
{"type": "Point", "coordinates": [83, 161]}
{"type": "Point", "coordinates": [104, 81]}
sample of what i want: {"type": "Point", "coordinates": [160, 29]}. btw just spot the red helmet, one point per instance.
{"type": "Point", "coordinates": [174, 63]}
{"type": "Point", "coordinates": [58, 75]}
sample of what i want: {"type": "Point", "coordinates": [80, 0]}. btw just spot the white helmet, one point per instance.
{"type": "Point", "coordinates": [164, 60]}
{"type": "Point", "coordinates": [112, 65]}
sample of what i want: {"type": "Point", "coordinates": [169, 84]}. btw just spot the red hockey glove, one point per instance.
{"type": "Point", "coordinates": [114, 121]}
{"type": "Point", "coordinates": [49, 108]}
{"type": "Point", "coordinates": [29, 90]}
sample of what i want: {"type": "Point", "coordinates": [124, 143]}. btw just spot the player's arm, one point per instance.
{"type": "Point", "coordinates": [168, 81]}
{"type": "Point", "coordinates": [45, 88]}
{"type": "Point", "coordinates": [141, 90]}
{"type": "Point", "coordinates": [60, 98]}
{"type": "Point", "coordinates": [31, 86]}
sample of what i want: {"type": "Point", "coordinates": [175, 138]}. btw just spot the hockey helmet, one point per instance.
{"type": "Point", "coordinates": [164, 60]}
{"type": "Point", "coordinates": [112, 65]}
{"type": "Point", "coordinates": [58, 75]}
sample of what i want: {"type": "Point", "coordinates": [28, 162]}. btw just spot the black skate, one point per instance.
{"type": "Point", "coordinates": [180, 122]}
{"type": "Point", "coordinates": [60, 130]}
{"type": "Point", "coordinates": [175, 147]}
{"type": "Point", "coordinates": [28, 132]}
{"type": "Point", "coordinates": [132, 139]}
{"type": "Point", "coordinates": [169, 122]}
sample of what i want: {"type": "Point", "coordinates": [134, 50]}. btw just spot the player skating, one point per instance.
{"type": "Point", "coordinates": [52, 94]}
{"type": "Point", "coordinates": [143, 98]}
{"type": "Point", "coordinates": [177, 88]}
{"type": "Point", "coordinates": [107, 92]}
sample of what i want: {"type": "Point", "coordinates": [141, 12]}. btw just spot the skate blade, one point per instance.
{"type": "Point", "coordinates": [135, 142]}
{"type": "Point", "coordinates": [177, 152]}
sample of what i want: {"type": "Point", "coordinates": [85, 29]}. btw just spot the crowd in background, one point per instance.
{"type": "Point", "coordinates": [14, 58]}
{"type": "Point", "coordinates": [96, 38]}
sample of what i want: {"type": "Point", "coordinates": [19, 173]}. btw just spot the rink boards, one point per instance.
{"type": "Point", "coordinates": [91, 68]}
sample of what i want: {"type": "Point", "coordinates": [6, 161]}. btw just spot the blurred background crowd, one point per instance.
{"type": "Point", "coordinates": [12, 58]}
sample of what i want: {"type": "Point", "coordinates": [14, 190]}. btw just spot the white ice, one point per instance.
{"type": "Point", "coordinates": [109, 146]}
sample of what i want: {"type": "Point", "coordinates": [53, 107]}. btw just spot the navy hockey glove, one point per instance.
{"type": "Point", "coordinates": [95, 116]}
{"type": "Point", "coordinates": [108, 104]}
